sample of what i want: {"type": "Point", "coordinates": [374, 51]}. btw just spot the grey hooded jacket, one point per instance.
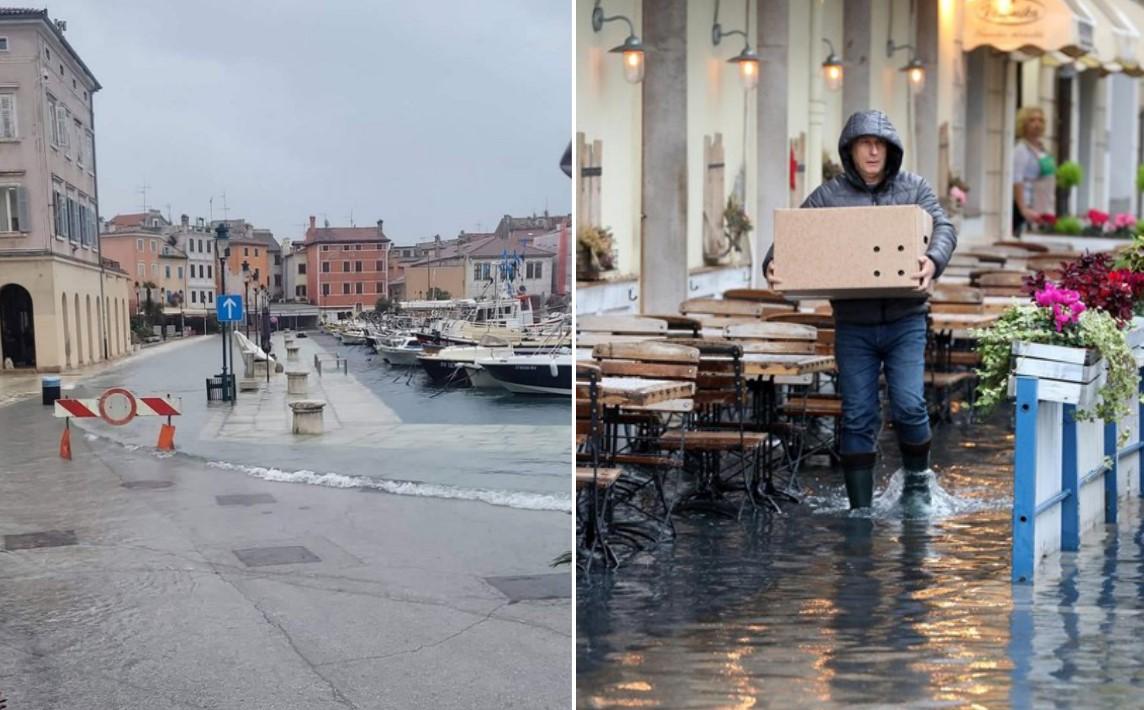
{"type": "Point", "coordinates": [897, 188]}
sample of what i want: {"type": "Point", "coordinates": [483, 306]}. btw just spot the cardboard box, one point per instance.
{"type": "Point", "coordinates": [850, 252]}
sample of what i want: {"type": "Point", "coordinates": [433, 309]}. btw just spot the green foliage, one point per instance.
{"type": "Point", "coordinates": [438, 294]}
{"type": "Point", "coordinates": [736, 223]}
{"type": "Point", "coordinates": [1140, 178]}
{"type": "Point", "coordinates": [1132, 258]}
{"type": "Point", "coordinates": [1033, 324]}
{"type": "Point", "coordinates": [1069, 174]}
{"type": "Point", "coordinates": [1068, 225]}
{"type": "Point", "coordinates": [1140, 227]}
{"type": "Point", "coordinates": [385, 305]}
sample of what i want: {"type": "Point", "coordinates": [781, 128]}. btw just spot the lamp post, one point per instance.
{"type": "Point", "coordinates": [222, 249]}
{"type": "Point", "coordinates": [246, 293]}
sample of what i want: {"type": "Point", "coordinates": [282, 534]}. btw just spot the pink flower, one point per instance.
{"type": "Point", "coordinates": [1123, 220]}
{"type": "Point", "coordinates": [958, 195]}
{"type": "Point", "coordinates": [1097, 218]}
{"type": "Point", "coordinates": [1065, 304]}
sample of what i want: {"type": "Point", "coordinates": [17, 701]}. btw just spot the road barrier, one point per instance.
{"type": "Point", "coordinates": [118, 406]}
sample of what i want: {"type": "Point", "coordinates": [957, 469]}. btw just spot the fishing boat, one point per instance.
{"type": "Point", "coordinates": [401, 353]}
{"type": "Point", "coordinates": [479, 378]}
{"type": "Point", "coordinates": [353, 335]}
{"type": "Point", "coordinates": [544, 373]}
{"type": "Point", "coordinates": [446, 366]}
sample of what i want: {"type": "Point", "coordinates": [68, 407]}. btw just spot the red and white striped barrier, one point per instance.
{"type": "Point", "coordinates": [118, 406]}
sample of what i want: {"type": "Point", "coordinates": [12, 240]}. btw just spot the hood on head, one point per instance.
{"type": "Point", "coordinates": [870, 123]}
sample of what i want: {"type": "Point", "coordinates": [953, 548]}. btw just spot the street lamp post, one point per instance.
{"type": "Point", "coordinates": [222, 239]}
{"type": "Point", "coordinates": [246, 294]}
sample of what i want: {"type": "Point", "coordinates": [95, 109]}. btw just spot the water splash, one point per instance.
{"type": "Point", "coordinates": [887, 503]}
{"type": "Point", "coordinates": [509, 499]}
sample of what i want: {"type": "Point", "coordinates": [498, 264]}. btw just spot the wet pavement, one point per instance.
{"type": "Point", "coordinates": [136, 579]}
{"type": "Point", "coordinates": [818, 607]}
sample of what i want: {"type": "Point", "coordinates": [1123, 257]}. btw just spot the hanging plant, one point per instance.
{"type": "Point", "coordinates": [594, 252]}
{"type": "Point", "coordinates": [736, 224]}
{"type": "Point", "coordinates": [1069, 174]}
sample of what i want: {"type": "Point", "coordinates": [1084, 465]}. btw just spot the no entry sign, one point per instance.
{"type": "Point", "coordinates": [117, 406]}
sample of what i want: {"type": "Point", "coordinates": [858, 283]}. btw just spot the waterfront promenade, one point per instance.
{"type": "Point", "coordinates": [182, 583]}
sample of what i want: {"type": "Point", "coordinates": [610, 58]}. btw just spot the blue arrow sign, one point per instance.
{"type": "Point", "coordinates": [229, 308]}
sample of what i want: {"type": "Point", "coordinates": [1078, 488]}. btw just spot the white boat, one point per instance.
{"type": "Point", "coordinates": [481, 379]}
{"type": "Point", "coordinates": [532, 374]}
{"type": "Point", "coordinates": [403, 353]}
{"type": "Point", "coordinates": [353, 335]}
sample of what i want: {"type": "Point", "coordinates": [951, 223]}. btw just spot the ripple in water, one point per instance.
{"type": "Point", "coordinates": [888, 503]}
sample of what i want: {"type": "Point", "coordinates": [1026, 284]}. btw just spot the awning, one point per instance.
{"type": "Point", "coordinates": [1123, 34]}
{"type": "Point", "coordinates": [1032, 27]}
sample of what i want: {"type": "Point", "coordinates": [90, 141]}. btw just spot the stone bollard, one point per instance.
{"type": "Point", "coordinates": [291, 352]}
{"type": "Point", "coordinates": [248, 384]}
{"type": "Point", "coordinates": [248, 364]}
{"type": "Point", "coordinates": [307, 416]}
{"type": "Point", "coordinates": [259, 369]}
{"type": "Point", "coordinates": [296, 382]}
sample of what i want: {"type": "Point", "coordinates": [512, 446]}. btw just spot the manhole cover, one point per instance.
{"type": "Point", "coordinates": [534, 586]}
{"type": "Point", "coordinates": [48, 538]}
{"type": "Point", "coordinates": [147, 485]}
{"type": "Point", "coordinates": [245, 499]}
{"type": "Point", "coordinates": [266, 556]}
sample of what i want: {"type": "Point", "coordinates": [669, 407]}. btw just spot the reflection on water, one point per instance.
{"type": "Point", "coordinates": [825, 608]}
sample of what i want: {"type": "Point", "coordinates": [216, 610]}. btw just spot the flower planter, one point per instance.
{"type": "Point", "coordinates": [1065, 375]}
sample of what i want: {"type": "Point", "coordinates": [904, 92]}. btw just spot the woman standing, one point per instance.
{"type": "Point", "coordinates": [1034, 171]}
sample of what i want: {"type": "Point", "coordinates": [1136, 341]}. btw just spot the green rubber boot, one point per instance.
{"type": "Point", "coordinates": [916, 497]}
{"type": "Point", "coordinates": [858, 470]}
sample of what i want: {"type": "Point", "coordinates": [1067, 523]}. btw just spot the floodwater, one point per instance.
{"type": "Point", "coordinates": [821, 608]}
{"type": "Point", "coordinates": [525, 464]}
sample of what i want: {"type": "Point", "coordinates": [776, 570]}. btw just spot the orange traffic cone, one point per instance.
{"type": "Point", "coordinates": [166, 438]}
{"type": "Point", "coordinates": [65, 442]}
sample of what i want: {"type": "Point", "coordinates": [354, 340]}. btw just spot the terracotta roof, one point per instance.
{"type": "Point", "coordinates": [128, 220]}
{"type": "Point", "coordinates": [318, 235]}
{"type": "Point", "coordinates": [493, 247]}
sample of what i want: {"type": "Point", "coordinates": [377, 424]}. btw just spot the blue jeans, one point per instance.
{"type": "Point", "coordinates": [862, 351]}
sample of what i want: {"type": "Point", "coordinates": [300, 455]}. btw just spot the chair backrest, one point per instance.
{"type": "Point", "coordinates": [592, 330]}
{"type": "Point", "coordinates": [758, 295]}
{"type": "Point", "coordinates": [651, 360]}
{"type": "Point", "coordinates": [999, 278]}
{"type": "Point", "coordinates": [719, 381]}
{"type": "Point", "coordinates": [1027, 246]}
{"type": "Point", "coordinates": [775, 337]}
{"type": "Point", "coordinates": [721, 307]}
{"type": "Point", "coordinates": [679, 326]}
{"type": "Point", "coordinates": [589, 429]}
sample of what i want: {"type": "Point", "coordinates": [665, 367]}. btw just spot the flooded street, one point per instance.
{"type": "Point", "coordinates": [384, 424]}
{"type": "Point", "coordinates": [819, 607]}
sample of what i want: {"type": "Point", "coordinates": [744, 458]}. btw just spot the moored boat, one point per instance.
{"type": "Point", "coordinates": [532, 374]}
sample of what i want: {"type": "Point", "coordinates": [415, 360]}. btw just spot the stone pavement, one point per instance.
{"type": "Point", "coordinates": [178, 585]}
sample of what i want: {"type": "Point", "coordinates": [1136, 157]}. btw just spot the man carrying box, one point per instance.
{"type": "Point", "coordinates": [872, 334]}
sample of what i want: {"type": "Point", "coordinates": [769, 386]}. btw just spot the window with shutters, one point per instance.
{"type": "Point", "coordinates": [476, 272]}
{"type": "Point", "coordinates": [155, 270]}
{"type": "Point", "coordinates": [379, 266]}
{"type": "Point", "coordinates": [357, 288]}
{"type": "Point", "coordinates": [380, 287]}
{"type": "Point", "coordinates": [53, 122]}
{"type": "Point", "coordinates": [194, 296]}
{"type": "Point", "coordinates": [60, 210]}
{"type": "Point", "coordinates": [81, 149]}
{"type": "Point", "coordinates": [141, 269]}
{"type": "Point", "coordinates": [71, 215]}
{"type": "Point", "coordinates": [3, 44]}
{"type": "Point", "coordinates": [325, 289]}
{"type": "Point", "coordinates": [13, 209]}
{"type": "Point", "coordinates": [180, 272]}
{"type": "Point", "coordinates": [345, 267]}
{"type": "Point", "coordinates": [63, 120]}
{"type": "Point", "coordinates": [8, 117]}
{"type": "Point", "coordinates": [89, 142]}
{"type": "Point", "coordinates": [325, 267]}
{"type": "Point", "coordinates": [139, 244]}
{"type": "Point", "coordinates": [301, 268]}
{"type": "Point", "coordinates": [166, 271]}
{"type": "Point", "coordinates": [345, 289]}
{"type": "Point", "coordinates": [357, 266]}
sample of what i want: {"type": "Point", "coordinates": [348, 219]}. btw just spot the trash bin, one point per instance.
{"type": "Point", "coordinates": [50, 389]}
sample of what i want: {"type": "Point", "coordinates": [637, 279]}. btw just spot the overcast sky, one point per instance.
{"type": "Point", "coordinates": [434, 116]}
